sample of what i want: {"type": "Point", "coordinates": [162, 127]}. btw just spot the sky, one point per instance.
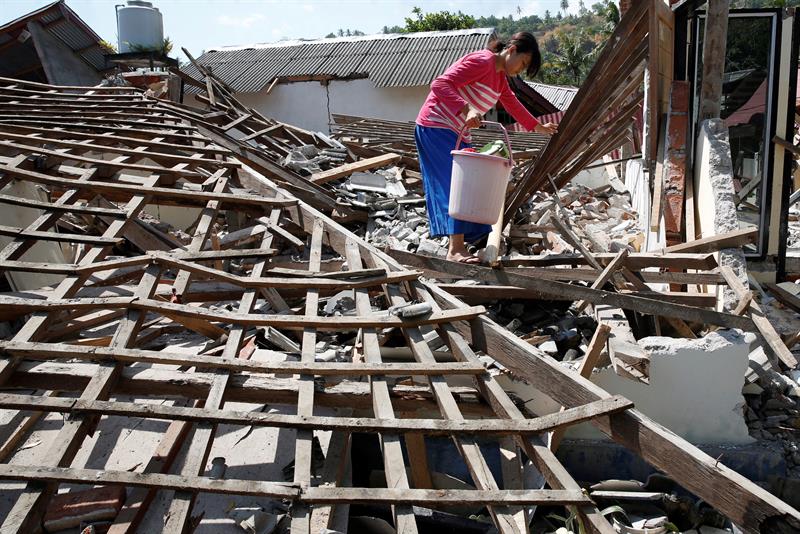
{"type": "Point", "coordinates": [201, 25]}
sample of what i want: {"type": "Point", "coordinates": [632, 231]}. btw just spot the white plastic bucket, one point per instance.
{"type": "Point", "coordinates": [478, 183]}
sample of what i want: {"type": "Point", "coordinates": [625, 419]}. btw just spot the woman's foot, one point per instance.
{"type": "Point", "coordinates": [463, 257]}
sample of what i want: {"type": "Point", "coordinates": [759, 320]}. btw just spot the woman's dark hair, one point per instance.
{"type": "Point", "coordinates": [526, 44]}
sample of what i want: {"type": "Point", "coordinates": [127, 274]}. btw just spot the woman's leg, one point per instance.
{"type": "Point", "coordinates": [457, 251]}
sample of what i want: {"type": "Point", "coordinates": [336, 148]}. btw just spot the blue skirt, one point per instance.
{"type": "Point", "coordinates": [436, 162]}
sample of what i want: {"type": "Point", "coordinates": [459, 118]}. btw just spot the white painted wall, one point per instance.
{"type": "Point", "coordinates": [695, 388]}
{"type": "Point", "coordinates": [306, 104]}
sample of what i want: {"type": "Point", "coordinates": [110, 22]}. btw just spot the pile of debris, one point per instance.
{"type": "Point", "coordinates": [603, 216]}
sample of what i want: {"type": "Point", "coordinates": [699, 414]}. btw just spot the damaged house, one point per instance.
{"type": "Point", "coordinates": [244, 324]}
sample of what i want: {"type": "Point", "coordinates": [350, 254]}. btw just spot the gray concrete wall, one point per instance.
{"type": "Point", "coordinates": [714, 198]}
{"type": "Point", "coordinates": [61, 65]}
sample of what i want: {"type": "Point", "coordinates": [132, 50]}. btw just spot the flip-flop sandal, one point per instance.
{"type": "Point", "coordinates": [469, 260]}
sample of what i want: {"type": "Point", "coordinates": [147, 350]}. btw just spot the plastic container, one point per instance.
{"type": "Point", "coordinates": [478, 183]}
{"type": "Point", "coordinates": [139, 26]}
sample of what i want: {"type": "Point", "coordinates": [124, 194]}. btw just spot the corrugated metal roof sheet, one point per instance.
{"type": "Point", "coordinates": [558, 95]}
{"type": "Point", "coordinates": [388, 60]}
{"type": "Point", "coordinates": [64, 24]}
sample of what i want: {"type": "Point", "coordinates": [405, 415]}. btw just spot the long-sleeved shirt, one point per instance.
{"type": "Point", "coordinates": [472, 80]}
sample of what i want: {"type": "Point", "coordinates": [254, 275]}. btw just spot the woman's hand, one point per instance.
{"type": "Point", "coordinates": [549, 128]}
{"type": "Point", "coordinates": [473, 117]}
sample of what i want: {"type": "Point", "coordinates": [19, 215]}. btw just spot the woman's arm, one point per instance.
{"type": "Point", "coordinates": [515, 108]}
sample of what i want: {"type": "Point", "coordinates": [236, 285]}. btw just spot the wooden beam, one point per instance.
{"type": "Point", "coordinates": [734, 239]}
{"type": "Point", "coordinates": [714, 48]}
{"type": "Point", "coordinates": [762, 322]}
{"type": "Point", "coordinates": [561, 291]}
{"type": "Point", "coordinates": [358, 166]}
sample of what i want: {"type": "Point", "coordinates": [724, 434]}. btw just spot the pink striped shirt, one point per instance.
{"type": "Point", "coordinates": [472, 80]}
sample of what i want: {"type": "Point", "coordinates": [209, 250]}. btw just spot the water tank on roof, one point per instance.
{"type": "Point", "coordinates": [140, 27]}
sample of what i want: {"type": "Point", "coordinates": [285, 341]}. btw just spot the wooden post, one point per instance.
{"type": "Point", "coordinates": [714, 44]}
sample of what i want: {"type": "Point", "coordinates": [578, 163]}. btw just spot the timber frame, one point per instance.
{"type": "Point", "coordinates": [129, 151]}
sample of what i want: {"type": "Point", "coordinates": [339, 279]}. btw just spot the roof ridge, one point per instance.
{"type": "Point", "coordinates": [353, 38]}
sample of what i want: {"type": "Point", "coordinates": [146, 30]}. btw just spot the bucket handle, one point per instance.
{"type": "Point", "coordinates": [505, 134]}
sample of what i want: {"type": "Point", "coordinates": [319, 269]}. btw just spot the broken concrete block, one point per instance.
{"type": "Point", "coordinates": [69, 510]}
{"type": "Point", "coordinates": [428, 247]}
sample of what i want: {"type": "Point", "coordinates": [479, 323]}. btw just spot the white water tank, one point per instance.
{"type": "Point", "coordinates": [139, 27]}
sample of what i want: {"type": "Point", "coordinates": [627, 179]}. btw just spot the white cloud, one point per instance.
{"type": "Point", "coordinates": [245, 21]}
{"type": "Point", "coordinates": [308, 8]}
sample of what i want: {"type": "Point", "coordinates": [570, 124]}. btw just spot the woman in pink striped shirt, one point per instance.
{"type": "Point", "coordinates": [457, 101]}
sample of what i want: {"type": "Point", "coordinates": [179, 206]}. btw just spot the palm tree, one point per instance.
{"type": "Point", "coordinates": [564, 6]}
{"type": "Point", "coordinates": [572, 58]}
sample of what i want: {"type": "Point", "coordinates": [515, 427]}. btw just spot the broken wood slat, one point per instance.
{"type": "Point", "coordinates": [432, 498]}
{"type": "Point", "coordinates": [236, 122]}
{"type": "Point", "coordinates": [155, 156]}
{"type": "Point", "coordinates": [243, 387]}
{"type": "Point", "coordinates": [285, 283]}
{"type": "Point", "coordinates": [762, 322]}
{"type": "Point", "coordinates": [596, 346]}
{"type": "Point", "coordinates": [62, 208]}
{"type": "Point", "coordinates": [265, 131]}
{"type": "Point", "coordinates": [734, 239]}
{"type": "Point", "coordinates": [615, 264]}
{"type": "Point", "coordinates": [59, 237]}
{"type": "Point", "coordinates": [743, 501]}
{"type": "Point", "coordinates": [304, 440]}
{"type": "Point", "coordinates": [288, 491]}
{"type": "Point", "coordinates": [561, 291]}
{"type": "Point", "coordinates": [783, 296]}
{"type": "Point", "coordinates": [69, 130]}
{"type": "Point", "coordinates": [62, 156]}
{"type": "Point", "coordinates": [431, 427]}
{"type": "Point", "coordinates": [158, 192]}
{"type": "Point", "coordinates": [391, 447]}
{"type": "Point", "coordinates": [48, 351]}
{"type": "Point", "coordinates": [636, 260]}
{"type": "Point", "coordinates": [29, 507]}
{"type": "Point", "coordinates": [133, 261]}
{"type": "Point", "coordinates": [359, 166]}
{"type": "Point", "coordinates": [148, 480]}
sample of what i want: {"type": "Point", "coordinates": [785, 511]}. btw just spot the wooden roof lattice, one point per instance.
{"type": "Point", "coordinates": [112, 152]}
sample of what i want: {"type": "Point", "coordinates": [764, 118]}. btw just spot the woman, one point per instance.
{"type": "Point", "coordinates": [457, 101]}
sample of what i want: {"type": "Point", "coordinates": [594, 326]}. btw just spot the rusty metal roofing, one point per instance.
{"type": "Point", "coordinates": [395, 60]}
{"type": "Point", "coordinates": [559, 95]}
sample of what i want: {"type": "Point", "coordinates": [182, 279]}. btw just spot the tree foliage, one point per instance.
{"type": "Point", "coordinates": [437, 21]}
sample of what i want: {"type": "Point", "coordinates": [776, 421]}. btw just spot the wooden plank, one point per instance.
{"type": "Point", "coordinates": [506, 519]}
{"type": "Point", "coordinates": [738, 498]}
{"type": "Point", "coordinates": [784, 297]}
{"type": "Point", "coordinates": [55, 351]}
{"type": "Point", "coordinates": [304, 440]}
{"type": "Point", "coordinates": [734, 239]}
{"type": "Point", "coordinates": [561, 291]}
{"type": "Point", "coordinates": [606, 275]}
{"type": "Point", "coordinates": [773, 341]}
{"type": "Point", "coordinates": [287, 491]}
{"type": "Point", "coordinates": [430, 427]}
{"type": "Point", "coordinates": [393, 463]}
{"type": "Point", "coordinates": [596, 346]}
{"type": "Point", "coordinates": [636, 261]}
{"type": "Point", "coordinates": [714, 48]}
{"type": "Point", "coordinates": [157, 192]}
{"type": "Point", "coordinates": [358, 166]}
{"type": "Point", "coordinates": [61, 208]}
{"type": "Point", "coordinates": [29, 507]}
{"type": "Point", "coordinates": [59, 237]}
